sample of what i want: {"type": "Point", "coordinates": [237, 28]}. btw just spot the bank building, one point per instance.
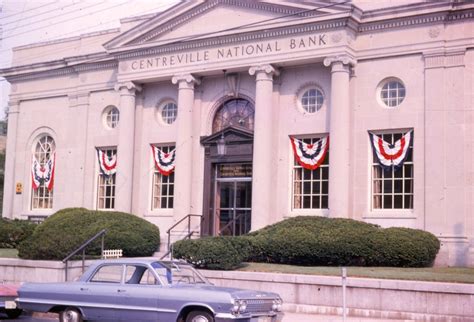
{"type": "Point", "coordinates": [244, 113]}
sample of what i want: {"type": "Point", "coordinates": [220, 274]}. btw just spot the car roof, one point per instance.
{"type": "Point", "coordinates": [137, 260]}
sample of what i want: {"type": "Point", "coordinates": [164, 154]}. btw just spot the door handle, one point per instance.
{"type": "Point", "coordinates": [84, 289]}
{"type": "Point", "coordinates": [121, 291]}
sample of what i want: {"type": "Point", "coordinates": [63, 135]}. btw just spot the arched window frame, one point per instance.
{"type": "Point", "coordinates": [43, 148]}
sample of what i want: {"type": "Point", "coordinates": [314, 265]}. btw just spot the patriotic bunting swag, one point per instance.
{"type": "Point", "coordinates": [107, 165]}
{"type": "Point", "coordinates": [310, 156]}
{"type": "Point", "coordinates": [164, 161]}
{"type": "Point", "coordinates": [391, 155]}
{"type": "Point", "coordinates": [43, 175]}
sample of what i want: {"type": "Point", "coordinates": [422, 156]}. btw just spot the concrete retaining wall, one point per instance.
{"type": "Point", "coordinates": [365, 297]}
{"type": "Point", "coordinates": [395, 299]}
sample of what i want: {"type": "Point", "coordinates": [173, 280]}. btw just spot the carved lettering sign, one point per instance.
{"type": "Point", "coordinates": [263, 48]}
{"type": "Point", "coordinates": [235, 170]}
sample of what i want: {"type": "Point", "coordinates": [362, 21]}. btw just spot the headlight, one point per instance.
{"type": "Point", "coordinates": [238, 306]}
{"type": "Point", "coordinates": [277, 305]}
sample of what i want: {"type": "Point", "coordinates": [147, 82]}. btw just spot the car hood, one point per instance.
{"type": "Point", "coordinates": [236, 293]}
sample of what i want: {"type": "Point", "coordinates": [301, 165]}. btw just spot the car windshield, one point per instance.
{"type": "Point", "coordinates": [177, 273]}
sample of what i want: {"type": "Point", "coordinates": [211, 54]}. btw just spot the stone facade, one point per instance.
{"type": "Point", "coordinates": [270, 54]}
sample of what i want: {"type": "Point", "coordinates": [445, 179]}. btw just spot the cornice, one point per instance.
{"type": "Point", "coordinates": [238, 38]}
{"type": "Point", "coordinates": [439, 17]}
{"type": "Point", "coordinates": [62, 71]}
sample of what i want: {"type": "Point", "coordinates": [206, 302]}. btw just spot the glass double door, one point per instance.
{"type": "Point", "coordinates": [233, 205]}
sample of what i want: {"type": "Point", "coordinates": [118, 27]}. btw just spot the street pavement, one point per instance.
{"type": "Point", "coordinates": [289, 317]}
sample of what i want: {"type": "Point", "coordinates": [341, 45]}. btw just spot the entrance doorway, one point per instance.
{"type": "Point", "coordinates": [233, 199]}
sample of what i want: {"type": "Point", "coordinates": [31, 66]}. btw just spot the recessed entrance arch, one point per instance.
{"type": "Point", "coordinates": [227, 206]}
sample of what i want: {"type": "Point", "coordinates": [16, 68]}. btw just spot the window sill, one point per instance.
{"type": "Point", "coordinates": [160, 213]}
{"type": "Point", "coordinates": [309, 212]}
{"type": "Point", "coordinates": [391, 214]}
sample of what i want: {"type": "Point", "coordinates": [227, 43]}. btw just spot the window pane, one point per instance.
{"type": "Point", "coordinates": [398, 202]}
{"type": "Point", "coordinates": [308, 185]}
{"type": "Point", "coordinates": [163, 186]}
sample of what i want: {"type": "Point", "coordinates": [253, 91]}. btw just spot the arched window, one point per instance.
{"type": "Point", "coordinates": [236, 112]}
{"type": "Point", "coordinates": [43, 151]}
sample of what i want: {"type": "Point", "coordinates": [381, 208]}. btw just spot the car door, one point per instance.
{"type": "Point", "coordinates": [101, 292]}
{"type": "Point", "coordinates": [136, 296]}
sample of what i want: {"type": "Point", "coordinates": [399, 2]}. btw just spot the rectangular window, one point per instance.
{"type": "Point", "coordinates": [106, 187]}
{"type": "Point", "coordinates": [393, 188]}
{"type": "Point", "coordinates": [311, 187]}
{"type": "Point", "coordinates": [163, 186]}
{"type": "Point", "coordinates": [42, 198]}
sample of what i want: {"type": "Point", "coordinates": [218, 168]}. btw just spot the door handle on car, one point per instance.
{"type": "Point", "coordinates": [84, 289]}
{"type": "Point", "coordinates": [121, 291]}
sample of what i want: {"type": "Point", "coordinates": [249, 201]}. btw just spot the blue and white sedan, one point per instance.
{"type": "Point", "coordinates": [148, 290]}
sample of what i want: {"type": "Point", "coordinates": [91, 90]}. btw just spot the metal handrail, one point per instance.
{"type": "Point", "coordinates": [83, 248]}
{"type": "Point", "coordinates": [170, 251]}
{"type": "Point", "coordinates": [176, 224]}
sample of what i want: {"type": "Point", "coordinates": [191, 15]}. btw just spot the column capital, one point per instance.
{"type": "Point", "coordinates": [185, 81]}
{"type": "Point", "coordinates": [13, 107]}
{"type": "Point", "coordinates": [341, 59]}
{"type": "Point", "coordinates": [267, 71]}
{"type": "Point", "coordinates": [127, 88]}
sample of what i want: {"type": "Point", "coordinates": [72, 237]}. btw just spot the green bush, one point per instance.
{"type": "Point", "coordinates": [63, 232]}
{"type": "Point", "coordinates": [315, 241]}
{"type": "Point", "coordinates": [336, 241]}
{"type": "Point", "coordinates": [13, 232]}
{"type": "Point", "coordinates": [222, 253]}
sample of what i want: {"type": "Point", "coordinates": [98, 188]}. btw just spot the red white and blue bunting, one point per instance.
{"type": "Point", "coordinates": [310, 156]}
{"type": "Point", "coordinates": [165, 162]}
{"type": "Point", "coordinates": [107, 165]}
{"type": "Point", "coordinates": [391, 155]}
{"type": "Point", "coordinates": [43, 174]}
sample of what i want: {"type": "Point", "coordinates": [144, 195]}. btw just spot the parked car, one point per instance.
{"type": "Point", "coordinates": [148, 290]}
{"type": "Point", "coordinates": [8, 293]}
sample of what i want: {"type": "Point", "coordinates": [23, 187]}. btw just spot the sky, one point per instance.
{"type": "Point", "coordinates": [25, 22]}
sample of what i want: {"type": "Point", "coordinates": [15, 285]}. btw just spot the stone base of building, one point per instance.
{"type": "Point", "coordinates": [455, 251]}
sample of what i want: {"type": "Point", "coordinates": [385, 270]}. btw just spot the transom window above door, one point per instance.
{"type": "Point", "coordinates": [236, 112]}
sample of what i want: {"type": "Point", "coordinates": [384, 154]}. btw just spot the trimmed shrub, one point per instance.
{"type": "Point", "coordinates": [336, 241]}
{"type": "Point", "coordinates": [308, 240]}
{"type": "Point", "coordinates": [221, 253]}
{"type": "Point", "coordinates": [13, 232]}
{"type": "Point", "coordinates": [67, 229]}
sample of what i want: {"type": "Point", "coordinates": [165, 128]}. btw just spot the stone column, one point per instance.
{"type": "Point", "coordinates": [184, 146]}
{"type": "Point", "coordinates": [9, 186]}
{"type": "Point", "coordinates": [125, 149]}
{"type": "Point", "coordinates": [339, 126]}
{"type": "Point", "coordinates": [262, 190]}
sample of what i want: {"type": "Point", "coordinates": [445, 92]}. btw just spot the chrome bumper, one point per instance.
{"type": "Point", "coordinates": [225, 317]}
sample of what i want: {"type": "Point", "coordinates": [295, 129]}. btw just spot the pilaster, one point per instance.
{"type": "Point", "coordinates": [126, 143]}
{"type": "Point", "coordinates": [339, 128]}
{"type": "Point", "coordinates": [262, 178]}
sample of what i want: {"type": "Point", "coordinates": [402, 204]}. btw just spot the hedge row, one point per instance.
{"type": "Point", "coordinates": [67, 229]}
{"type": "Point", "coordinates": [315, 241]}
{"type": "Point", "coordinates": [13, 232]}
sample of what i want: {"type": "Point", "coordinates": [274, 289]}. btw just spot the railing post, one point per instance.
{"type": "Point", "coordinates": [102, 247]}
{"type": "Point", "coordinates": [83, 259]}
{"type": "Point", "coordinates": [65, 271]}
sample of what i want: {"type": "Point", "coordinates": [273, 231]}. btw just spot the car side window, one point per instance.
{"type": "Point", "coordinates": [108, 274]}
{"type": "Point", "coordinates": [136, 274]}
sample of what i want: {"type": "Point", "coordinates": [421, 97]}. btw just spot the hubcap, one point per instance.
{"type": "Point", "coordinates": [71, 316]}
{"type": "Point", "coordinates": [200, 318]}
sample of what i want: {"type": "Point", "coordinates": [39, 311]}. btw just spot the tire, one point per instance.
{"type": "Point", "coordinates": [199, 316]}
{"type": "Point", "coordinates": [13, 314]}
{"type": "Point", "coordinates": [70, 314]}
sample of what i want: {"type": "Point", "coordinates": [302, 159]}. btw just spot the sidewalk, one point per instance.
{"type": "Point", "coordinates": [301, 317]}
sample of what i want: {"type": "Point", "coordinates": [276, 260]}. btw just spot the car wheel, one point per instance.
{"type": "Point", "coordinates": [70, 315]}
{"type": "Point", "coordinates": [13, 314]}
{"type": "Point", "coordinates": [199, 316]}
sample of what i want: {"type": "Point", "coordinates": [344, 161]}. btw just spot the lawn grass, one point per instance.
{"type": "Point", "coordinates": [8, 253]}
{"type": "Point", "coordinates": [437, 274]}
